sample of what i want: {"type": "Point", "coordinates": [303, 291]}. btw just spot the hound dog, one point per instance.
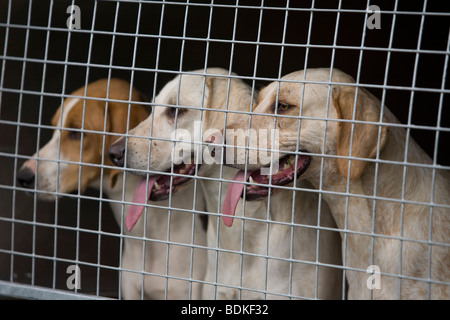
{"type": "Point", "coordinates": [388, 199]}
{"type": "Point", "coordinates": [85, 123]}
{"type": "Point", "coordinates": [263, 255]}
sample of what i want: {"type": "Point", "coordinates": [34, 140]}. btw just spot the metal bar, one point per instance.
{"type": "Point", "coordinates": [22, 291]}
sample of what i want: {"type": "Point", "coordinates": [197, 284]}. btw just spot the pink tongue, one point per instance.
{"type": "Point", "coordinates": [234, 193]}
{"type": "Point", "coordinates": [140, 196]}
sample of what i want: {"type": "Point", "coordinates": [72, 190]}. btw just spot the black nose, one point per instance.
{"type": "Point", "coordinates": [25, 176]}
{"type": "Point", "coordinates": [116, 152]}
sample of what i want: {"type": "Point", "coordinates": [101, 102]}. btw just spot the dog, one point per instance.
{"type": "Point", "coordinates": [255, 255]}
{"type": "Point", "coordinates": [390, 204]}
{"type": "Point", "coordinates": [55, 170]}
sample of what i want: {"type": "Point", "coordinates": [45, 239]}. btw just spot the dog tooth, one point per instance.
{"type": "Point", "coordinates": [251, 180]}
{"type": "Point", "coordinates": [157, 186]}
{"type": "Point", "coordinates": [185, 169]}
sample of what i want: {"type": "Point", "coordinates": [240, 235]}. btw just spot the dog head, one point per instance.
{"type": "Point", "coordinates": [169, 142]}
{"type": "Point", "coordinates": [187, 109]}
{"type": "Point", "coordinates": [64, 164]}
{"type": "Point", "coordinates": [311, 121]}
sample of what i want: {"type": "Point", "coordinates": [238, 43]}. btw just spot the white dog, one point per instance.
{"type": "Point", "coordinates": [263, 254]}
{"type": "Point", "coordinates": [393, 213]}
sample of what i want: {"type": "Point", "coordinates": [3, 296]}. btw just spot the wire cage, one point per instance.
{"type": "Point", "coordinates": [77, 245]}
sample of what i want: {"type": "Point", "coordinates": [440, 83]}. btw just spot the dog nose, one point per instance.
{"type": "Point", "coordinates": [116, 152]}
{"type": "Point", "coordinates": [25, 176]}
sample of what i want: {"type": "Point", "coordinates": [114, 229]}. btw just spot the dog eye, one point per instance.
{"type": "Point", "coordinates": [283, 106]}
{"type": "Point", "coordinates": [74, 135]}
{"type": "Point", "coordinates": [171, 112]}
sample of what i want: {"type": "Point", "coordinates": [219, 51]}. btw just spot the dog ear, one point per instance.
{"type": "Point", "coordinates": [114, 127]}
{"type": "Point", "coordinates": [118, 113]}
{"type": "Point", "coordinates": [365, 136]}
{"type": "Point", "coordinates": [217, 96]}
{"type": "Point", "coordinates": [223, 95]}
{"type": "Point", "coordinates": [209, 117]}
{"type": "Point", "coordinates": [117, 123]}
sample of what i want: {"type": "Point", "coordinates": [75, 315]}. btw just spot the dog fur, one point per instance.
{"type": "Point", "coordinates": [237, 256]}
{"type": "Point", "coordinates": [405, 231]}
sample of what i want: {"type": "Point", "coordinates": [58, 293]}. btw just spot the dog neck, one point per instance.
{"type": "Point", "coordinates": [353, 213]}
{"type": "Point", "coordinates": [116, 192]}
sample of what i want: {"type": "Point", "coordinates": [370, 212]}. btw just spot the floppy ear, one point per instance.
{"type": "Point", "coordinates": [118, 114]}
{"type": "Point", "coordinates": [365, 136]}
{"type": "Point", "coordinates": [117, 122]}
{"type": "Point", "coordinates": [216, 97]}
{"type": "Point", "coordinates": [209, 118]}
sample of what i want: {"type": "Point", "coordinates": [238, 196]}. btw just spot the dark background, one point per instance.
{"type": "Point", "coordinates": [59, 61]}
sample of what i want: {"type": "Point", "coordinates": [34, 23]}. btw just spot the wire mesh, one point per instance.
{"type": "Point", "coordinates": [397, 50]}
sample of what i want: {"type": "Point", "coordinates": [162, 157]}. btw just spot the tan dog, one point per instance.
{"type": "Point", "coordinates": [396, 220]}
{"type": "Point", "coordinates": [60, 157]}
{"type": "Point", "coordinates": [261, 259]}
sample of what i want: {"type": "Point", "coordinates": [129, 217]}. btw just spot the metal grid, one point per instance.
{"type": "Point", "coordinates": [150, 42]}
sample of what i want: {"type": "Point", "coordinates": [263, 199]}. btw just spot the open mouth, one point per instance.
{"type": "Point", "coordinates": [162, 186]}
{"type": "Point", "coordinates": [157, 187]}
{"type": "Point", "coordinates": [283, 176]}
{"type": "Point", "coordinates": [288, 170]}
